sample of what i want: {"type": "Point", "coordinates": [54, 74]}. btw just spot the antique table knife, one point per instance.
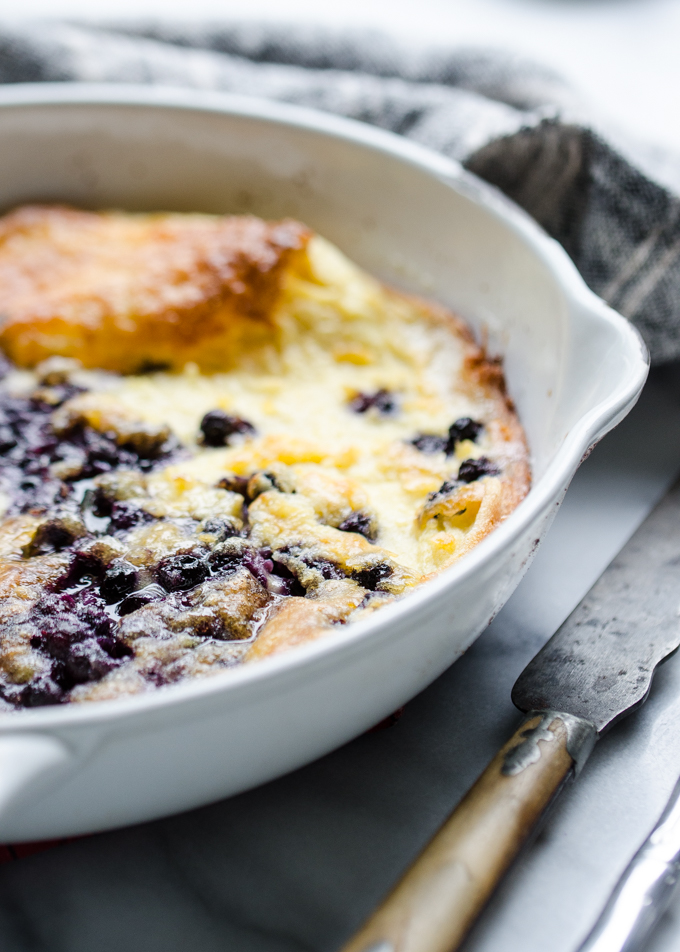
{"type": "Point", "coordinates": [595, 670]}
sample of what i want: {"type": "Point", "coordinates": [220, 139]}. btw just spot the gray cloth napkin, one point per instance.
{"type": "Point", "coordinates": [514, 123]}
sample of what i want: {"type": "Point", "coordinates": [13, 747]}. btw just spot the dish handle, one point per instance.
{"type": "Point", "coordinates": [26, 762]}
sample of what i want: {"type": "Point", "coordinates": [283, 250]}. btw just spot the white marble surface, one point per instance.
{"type": "Point", "coordinates": [295, 865]}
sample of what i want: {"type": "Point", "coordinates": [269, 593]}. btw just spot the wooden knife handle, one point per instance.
{"type": "Point", "coordinates": [436, 902]}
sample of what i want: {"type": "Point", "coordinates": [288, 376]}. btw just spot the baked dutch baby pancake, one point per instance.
{"type": "Point", "coordinates": [221, 439]}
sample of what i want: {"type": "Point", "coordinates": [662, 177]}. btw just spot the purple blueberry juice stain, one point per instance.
{"type": "Point", "coordinates": [260, 564]}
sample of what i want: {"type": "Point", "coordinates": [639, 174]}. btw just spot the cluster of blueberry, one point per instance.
{"type": "Point", "coordinates": [75, 625]}
{"type": "Point", "coordinates": [32, 453]}
{"type": "Point", "coordinates": [463, 429]}
{"type": "Point", "coordinates": [469, 470]}
{"type": "Point", "coordinates": [361, 522]}
{"type": "Point", "coordinates": [384, 403]}
{"type": "Point", "coordinates": [74, 631]}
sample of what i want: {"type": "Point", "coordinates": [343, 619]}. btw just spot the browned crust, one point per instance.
{"type": "Point", "coordinates": [482, 377]}
{"type": "Point", "coordinates": [298, 621]}
{"type": "Point", "coordinates": [485, 374]}
{"type": "Point", "coordinates": [120, 292]}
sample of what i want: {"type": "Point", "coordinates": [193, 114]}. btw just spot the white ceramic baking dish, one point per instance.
{"type": "Point", "coordinates": [573, 366]}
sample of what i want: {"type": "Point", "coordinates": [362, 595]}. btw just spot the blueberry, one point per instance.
{"type": "Point", "coordinates": [383, 401]}
{"type": "Point", "coordinates": [119, 580]}
{"type": "Point", "coordinates": [221, 528]}
{"type": "Point", "coordinates": [127, 515]}
{"type": "Point", "coordinates": [62, 620]}
{"type": "Point", "coordinates": [430, 443]}
{"type": "Point", "coordinates": [98, 622]}
{"type": "Point", "coordinates": [462, 429]}
{"type": "Point", "coordinates": [82, 565]}
{"type": "Point", "coordinates": [473, 469]}
{"type": "Point", "coordinates": [75, 632]}
{"type": "Point", "coordinates": [288, 584]}
{"type": "Point", "coordinates": [152, 593]}
{"type": "Point", "coordinates": [41, 692]}
{"type": "Point", "coordinates": [371, 576]}
{"type": "Point", "coordinates": [444, 489]}
{"type": "Point", "coordinates": [86, 662]}
{"type": "Point", "coordinates": [361, 522]}
{"type": "Point", "coordinates": [29, 448]}
{"type": "Point", "coordinates": [114, 647]}
{"type": "Point", "coordinates": [228, 555]}
{"type": "Point", "coordinates": [217, 426]}
{"type": "Point", "coordinates": [262, 482]}
{"type": "Point", "coordinates": [182, 572]}
{"type": "Point", "coordinates": [102, 454]}
{"type": "Point", "coordinates": [55, 644]}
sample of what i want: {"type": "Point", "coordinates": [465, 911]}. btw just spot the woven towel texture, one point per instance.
{"type": "Point", "coordinates": [514, 123]}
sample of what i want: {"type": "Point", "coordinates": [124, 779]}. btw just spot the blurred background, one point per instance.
{"type": "Point", "coordinates": [621, 54]}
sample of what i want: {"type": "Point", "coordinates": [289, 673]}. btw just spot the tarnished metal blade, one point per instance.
{"type": "Point", "coordinates": [599, 665]}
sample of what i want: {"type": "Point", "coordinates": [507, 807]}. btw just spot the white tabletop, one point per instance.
{"type": "Point", "coordinates": [295, 865]}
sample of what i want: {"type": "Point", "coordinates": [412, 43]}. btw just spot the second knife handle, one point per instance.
{"type": "Point", "coordinates": [436, 902]}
